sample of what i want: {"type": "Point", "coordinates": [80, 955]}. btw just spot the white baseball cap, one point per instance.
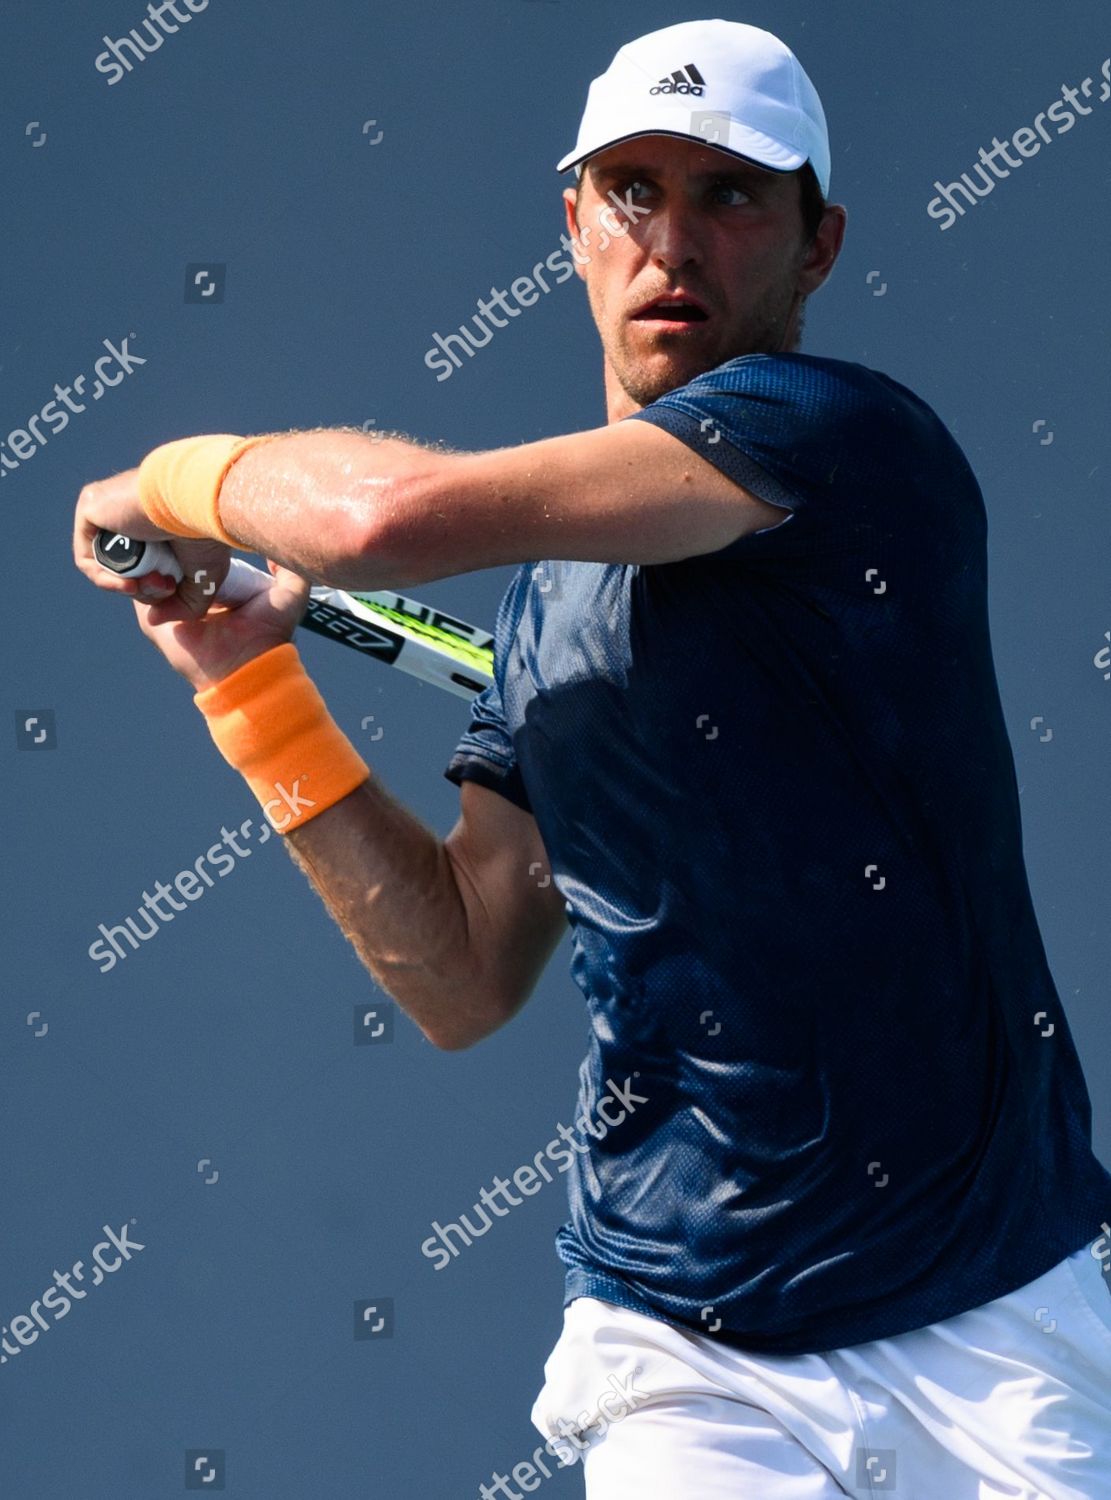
{"type": "Point", "coordinates": [731, 86]}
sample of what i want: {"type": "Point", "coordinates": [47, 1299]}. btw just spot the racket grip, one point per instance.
{"type": "Point", "coordinates": [134, 559]}
{"type": "Point", "coordinates": [243, 582]}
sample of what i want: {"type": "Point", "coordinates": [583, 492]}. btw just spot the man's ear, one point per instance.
{"type": "Point", "coordinates": [569, 208]}
{"type": "Point", "coordinates": [573, 228]}
{"type": "Point", "coordinates": [824, 249]}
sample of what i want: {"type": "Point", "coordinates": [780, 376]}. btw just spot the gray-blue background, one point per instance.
{"type": "Point", "coordinates": [229, 1035]}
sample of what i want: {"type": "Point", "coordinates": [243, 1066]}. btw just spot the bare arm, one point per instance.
{"type": "Point", "coordinates": [456, 931]}
{"type": "Point", "coordinates": [341, 508]}
{"type": "Point", "coordinates": [306, 499]}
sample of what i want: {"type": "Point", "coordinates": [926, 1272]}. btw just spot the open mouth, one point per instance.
{"type": "Point", "coordinates": [667, 310]}
{"type": "Point", "coordinates": [675, 312]}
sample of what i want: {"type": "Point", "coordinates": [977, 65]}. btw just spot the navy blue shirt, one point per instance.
{"type": "Point", "coordinates": [777, 793]}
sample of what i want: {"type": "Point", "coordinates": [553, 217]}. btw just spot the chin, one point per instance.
{"type": "Point", "coordinates": [646, 380]}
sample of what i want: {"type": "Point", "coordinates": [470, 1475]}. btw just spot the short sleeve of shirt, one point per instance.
{"type": "Point", "coordinates": [485, 753]}
{"type": "Point", "coordinates": [818, 437]}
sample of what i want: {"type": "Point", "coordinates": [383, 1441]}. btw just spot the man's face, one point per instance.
{"type": "Point", "coordinates": [663, 216]}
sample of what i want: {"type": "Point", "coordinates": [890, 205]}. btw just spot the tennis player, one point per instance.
{"type": "Point", "coordinates": [850, 1237]}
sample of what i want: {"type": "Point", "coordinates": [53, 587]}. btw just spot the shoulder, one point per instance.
{"type": "Point", "coordinates": [806, 379]}
{"type": "Point", "coordinates": [810, 398]}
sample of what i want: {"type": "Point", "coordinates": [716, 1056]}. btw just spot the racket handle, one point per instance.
{"type": "Point", "coordinates": [134, 559]}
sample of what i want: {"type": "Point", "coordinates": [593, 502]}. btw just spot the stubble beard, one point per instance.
{"type": "Point", "coordinates": [645, 380]}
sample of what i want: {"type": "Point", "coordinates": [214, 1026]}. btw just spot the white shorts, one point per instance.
{"type": "Point", "coordinates": [1012, 1399]}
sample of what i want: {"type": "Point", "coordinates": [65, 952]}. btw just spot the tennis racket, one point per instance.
{"type": "Point", "coordinates": [401, 632]}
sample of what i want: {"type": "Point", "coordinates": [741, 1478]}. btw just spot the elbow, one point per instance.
{"type": "Point", "coordinates": [394, 528]}
{"type": "Point", "coordinates": [465, 1030]}
{"type": "Point", "coordinates": [363, 560]}
{"type": "Point", "coordinates": [457, 1038]}
{"type": "Point", "coordinates": [452, 1041]}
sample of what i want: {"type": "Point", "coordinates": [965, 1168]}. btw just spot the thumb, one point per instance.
{"type": "Point", "coordinates": [204, 566]}
{"type": "Point", "coordinates": [289, 593]}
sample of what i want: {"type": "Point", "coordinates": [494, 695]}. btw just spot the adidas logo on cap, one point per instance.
{"type": "Point", "coordinates": [686, 80]}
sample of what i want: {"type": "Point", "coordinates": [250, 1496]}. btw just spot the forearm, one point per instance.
{"type": "Point", "coordinates": [387, 880]}
{"type": "Point", "coordinates": [394, 890]}
{"type": "Point", "coordinates": [318, 502]}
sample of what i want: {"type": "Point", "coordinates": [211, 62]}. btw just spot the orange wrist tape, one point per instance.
{"type": "Point", "coordinates": [179, 483]}
{"type": "Point", "coordinates": [269, 721]}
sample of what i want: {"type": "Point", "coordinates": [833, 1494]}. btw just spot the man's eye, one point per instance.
{"type": "Point", "coordinates": [633, 184]}
{"type": "Point", "coordinates": [728, 187]}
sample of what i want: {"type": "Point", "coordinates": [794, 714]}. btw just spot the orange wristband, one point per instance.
{"type": "Point", "coordinates": [179, 483]}
{"type": "Point", "coordinates": [269, 721]}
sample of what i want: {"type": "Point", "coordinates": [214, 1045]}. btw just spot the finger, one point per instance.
{"type": "Point", "coordinates": [90, 518]}
{"type": "Point", "coordinates": [153, 613]}
{"type": "Point", "coordinates": [196, 592]}
{"type": "Point", "coordinates": [83, 533]}
{"type": "Point", "coordinates": [204, 564]}
{"type": "Point", "coordinates": [289, 595]}
{"type": "Point", "coordinates": [142, 616]}
{"type": "Point", "coordinates": [105, 579]}
{"type": "Point", "coordinates": [168, 609]}
{"type": "Point", "coordinates": [92, 498]}
{"type": "Point", "coordinates": [287, 577]}
{"type": "Point", "coordinates": [290, 586]}
{"type": "Point", "coordinates": [152, 586]}
{"type": "Point", "coordinates": [111, 504]}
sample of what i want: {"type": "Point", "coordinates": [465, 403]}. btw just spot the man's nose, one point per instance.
{"type": "Point", "coordinates": [671, 236]}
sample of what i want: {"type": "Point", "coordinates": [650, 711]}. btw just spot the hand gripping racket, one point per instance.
{"type": "Point", "coordinates": [401, 632]}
